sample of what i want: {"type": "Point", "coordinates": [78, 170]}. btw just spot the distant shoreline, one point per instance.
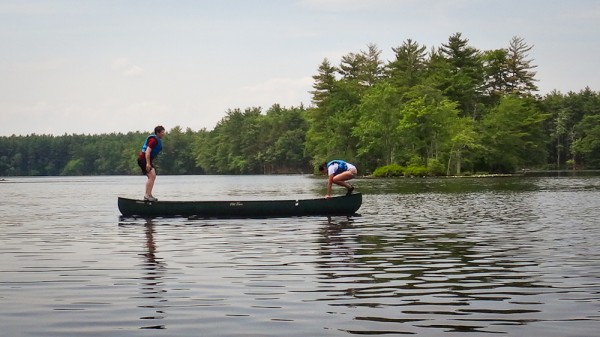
{"type": "Point", "coordinates": [523, 173]}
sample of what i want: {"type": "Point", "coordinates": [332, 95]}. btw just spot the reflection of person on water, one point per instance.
{"type": "Point", "coordinates": [154, 265]}
{"type": "Point", "coordinates": [150, 149]}
{"type": "Point", "coordinates": [150, 244]}
{"type": "Point", "coordinates": [338, 171]}
{"type": "Point", "coordinates": [152, 285]}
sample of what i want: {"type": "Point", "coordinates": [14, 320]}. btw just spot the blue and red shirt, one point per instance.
{"type": "Point", "coordinates": [154, 143]}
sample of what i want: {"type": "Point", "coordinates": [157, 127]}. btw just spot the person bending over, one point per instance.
{"type": "Point", "coordinates": [338, 171]}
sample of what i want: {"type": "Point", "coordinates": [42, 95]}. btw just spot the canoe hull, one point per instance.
{"type": "Point", "coordinates": [342, 205]}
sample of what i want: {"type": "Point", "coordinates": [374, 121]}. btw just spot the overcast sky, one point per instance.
{"type": "Point", "coordinates": [102, 66]}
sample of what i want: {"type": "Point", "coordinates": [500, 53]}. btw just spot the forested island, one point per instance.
{"type": "Point", "coordinates": [448, 110]}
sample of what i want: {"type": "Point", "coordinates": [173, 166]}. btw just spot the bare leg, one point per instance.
{"type": "Point", "coordinates": [341, 178]}
{"type": "Point", "coordinates": [150, 182]}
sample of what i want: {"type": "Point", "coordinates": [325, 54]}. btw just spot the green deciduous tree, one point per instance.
{"type": "Point", "coordinates": [465, 143]}
{"type": "Point", "coordinates": [587, 144]}
{"type": "Point", "coordinates": [425, 126]}
{"type": "Point", "coordinates": [513, 135]}
{"type": "Point", "coordinates": [377, 126]}
{"type": "Point", "coordinates": [250, 142]}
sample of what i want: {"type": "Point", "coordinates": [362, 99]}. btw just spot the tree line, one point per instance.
{"type": "Point", "coordinates": [452, 109]}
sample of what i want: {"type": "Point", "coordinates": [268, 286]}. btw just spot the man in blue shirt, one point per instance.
{"type": "Point", "coordinates": [150, 149]}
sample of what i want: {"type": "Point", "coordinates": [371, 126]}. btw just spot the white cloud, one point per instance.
{"type": "Point", "coordinates": [127, 68]}
{"type": "Point", "coordinates": [133, 70]}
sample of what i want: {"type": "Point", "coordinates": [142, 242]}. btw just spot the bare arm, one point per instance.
{"type": "Point", "coordinates": [148, 166]}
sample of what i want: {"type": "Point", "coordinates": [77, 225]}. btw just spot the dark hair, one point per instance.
{"type": "Point", "coordinates": [159, 129]}
{"type": "Point", "coordinates": [322, 167]}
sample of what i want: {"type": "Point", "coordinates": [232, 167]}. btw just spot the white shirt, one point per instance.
{"type": "Point", "coordinates": [331, 169]}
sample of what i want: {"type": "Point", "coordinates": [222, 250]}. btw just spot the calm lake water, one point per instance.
{"type": "Point", "coordinates": [428, 257]}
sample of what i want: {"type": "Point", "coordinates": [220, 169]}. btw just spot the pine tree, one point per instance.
{"type": "Point", "coordinates": [407, 69]}
{"type": "Point", "coordinates": [324, 82]}
{"type": "Point", "coordinates": [521, 78]}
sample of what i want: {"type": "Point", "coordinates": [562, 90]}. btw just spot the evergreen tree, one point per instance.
{"type": "Point", "coordinates": [324, 83]}
{"type": "Point", "coordinates": [495, 65]}
{"type": "Point", "coordinates": [409, 64]}
{"type": "Point", "coordinates": [521, 77]}
{"type": "Point", "coordinates": [465, 82]}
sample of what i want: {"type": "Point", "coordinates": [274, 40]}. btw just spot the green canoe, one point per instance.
{"type": "Point", "coordinates": [341, 205]}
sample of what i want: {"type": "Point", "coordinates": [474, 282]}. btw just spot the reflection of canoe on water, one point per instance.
{"type": "Point", "coordinates": [341, 205]}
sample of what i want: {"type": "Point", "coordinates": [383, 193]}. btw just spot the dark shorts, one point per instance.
{"type": "Point", "coordinates": [142, 164]}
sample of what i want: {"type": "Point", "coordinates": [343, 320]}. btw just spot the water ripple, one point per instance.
{"type": "Point", "coordinates": [508, 257]}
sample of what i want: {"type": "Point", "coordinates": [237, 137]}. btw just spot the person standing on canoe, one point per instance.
{"type": "Point", "coordinates": [338, 171]}
{"type": "Point", "coordinates": [150, 149]}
